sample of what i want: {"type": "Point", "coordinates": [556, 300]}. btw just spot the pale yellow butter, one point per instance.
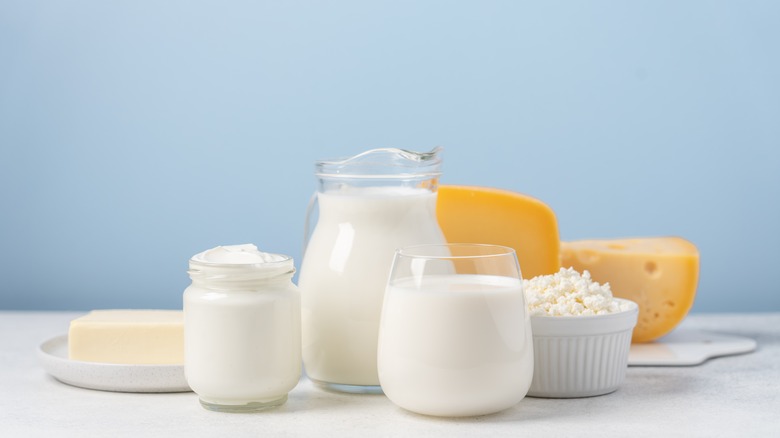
{"type": "Point", "coordinates": [128, 337]}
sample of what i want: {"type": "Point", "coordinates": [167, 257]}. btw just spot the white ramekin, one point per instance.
{"type": "Point", "coordinates": [581, 356]}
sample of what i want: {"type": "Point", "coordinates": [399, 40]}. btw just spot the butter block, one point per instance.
{"type": "Point", "coordinates": [660, 274]}
{"type": "Point", "coordinates": [469, 214]}
{"type": "Point", "coordinates": [128, 337]}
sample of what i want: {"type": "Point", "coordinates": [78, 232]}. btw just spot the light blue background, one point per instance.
{"type": "Point", "coordinates": [135, 134]}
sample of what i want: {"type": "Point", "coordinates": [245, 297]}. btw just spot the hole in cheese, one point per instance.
{"type": "Point", "coordinates": [651, 268]}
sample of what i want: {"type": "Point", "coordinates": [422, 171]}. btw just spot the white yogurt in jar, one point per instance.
{"type": "Point", "coordinates": [246, 254]}
{"type": "Point", "coordinates": [241, 328]}
{"type": "Point", "coordinates": [455, 345]}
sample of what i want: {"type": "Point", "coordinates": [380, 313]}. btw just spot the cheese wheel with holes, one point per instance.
{"type": "Point", "coordinates": [660, 274]}
{"type": "Point", "coordinates": [500, 217]}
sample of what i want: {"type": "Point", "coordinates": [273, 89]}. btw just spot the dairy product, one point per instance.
{"type": "Point", "coordinates": [455, 345]}
{"type": "Point", "coordinates": [501, 217]}
{"type": "Point", "coordinates": [660, 274]}
{"type": "Point", "coordinates": [128, 337]}
{"type": "Point", "coordinates": [344, 274]}
{"type": "Point", "coordinates": [240, 255]}
{"type": "Point", "coordinates": [242, 326]}
{"type": "Point", "coordinates": [569, 293]}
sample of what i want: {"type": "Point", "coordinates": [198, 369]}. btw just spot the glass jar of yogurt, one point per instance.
{"type": "Point", "coordinates": [242, 329]}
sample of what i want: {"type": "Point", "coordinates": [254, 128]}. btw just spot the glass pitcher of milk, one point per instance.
{"type": "Point", "coordinates": [368, 206]}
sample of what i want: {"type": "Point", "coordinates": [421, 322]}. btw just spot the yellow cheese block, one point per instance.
{"type": "Point", "coordinates": [500, 217]}
{"type": "Point", "coordinates": [658, 273]}
{"type": "Point", "coordinates": [128, 337]}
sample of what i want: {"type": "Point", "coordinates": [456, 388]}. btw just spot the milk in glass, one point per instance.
{"type": "Point", "coordinates": [455, 345]}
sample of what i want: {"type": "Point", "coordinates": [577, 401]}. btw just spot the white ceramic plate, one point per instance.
{"type": "Point", "coordinates": [53, 355]}
{"type": "Point", "coordinates": [687, 348]}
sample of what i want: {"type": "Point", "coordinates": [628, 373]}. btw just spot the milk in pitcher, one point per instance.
{"type": "Point", "coordinates": [346, 265]}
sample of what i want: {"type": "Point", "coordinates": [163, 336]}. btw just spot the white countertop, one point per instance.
{"type": "Point", "coordinates": [726, 396]}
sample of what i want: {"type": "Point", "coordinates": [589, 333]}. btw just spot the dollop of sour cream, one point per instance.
{"type": "Point", "coordinates": [245, 254]}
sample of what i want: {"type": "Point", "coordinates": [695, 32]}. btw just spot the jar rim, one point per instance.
{"type": "Point", "coordinates": [240, 272]}
{"type": "Point", "coordinates": [286, 259]}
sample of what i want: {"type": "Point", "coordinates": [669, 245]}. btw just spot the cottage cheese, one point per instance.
{"type": "Point", "coordinates": [567, 293]}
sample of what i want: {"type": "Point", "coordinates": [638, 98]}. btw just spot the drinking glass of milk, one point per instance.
{"type": "Point", "coordinates": [455, 337]}
{"type": "Point", "coordinates": [367, 206]}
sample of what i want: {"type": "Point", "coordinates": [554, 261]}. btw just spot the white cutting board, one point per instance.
{"type": "Point", "coordinates": [688, 347]}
